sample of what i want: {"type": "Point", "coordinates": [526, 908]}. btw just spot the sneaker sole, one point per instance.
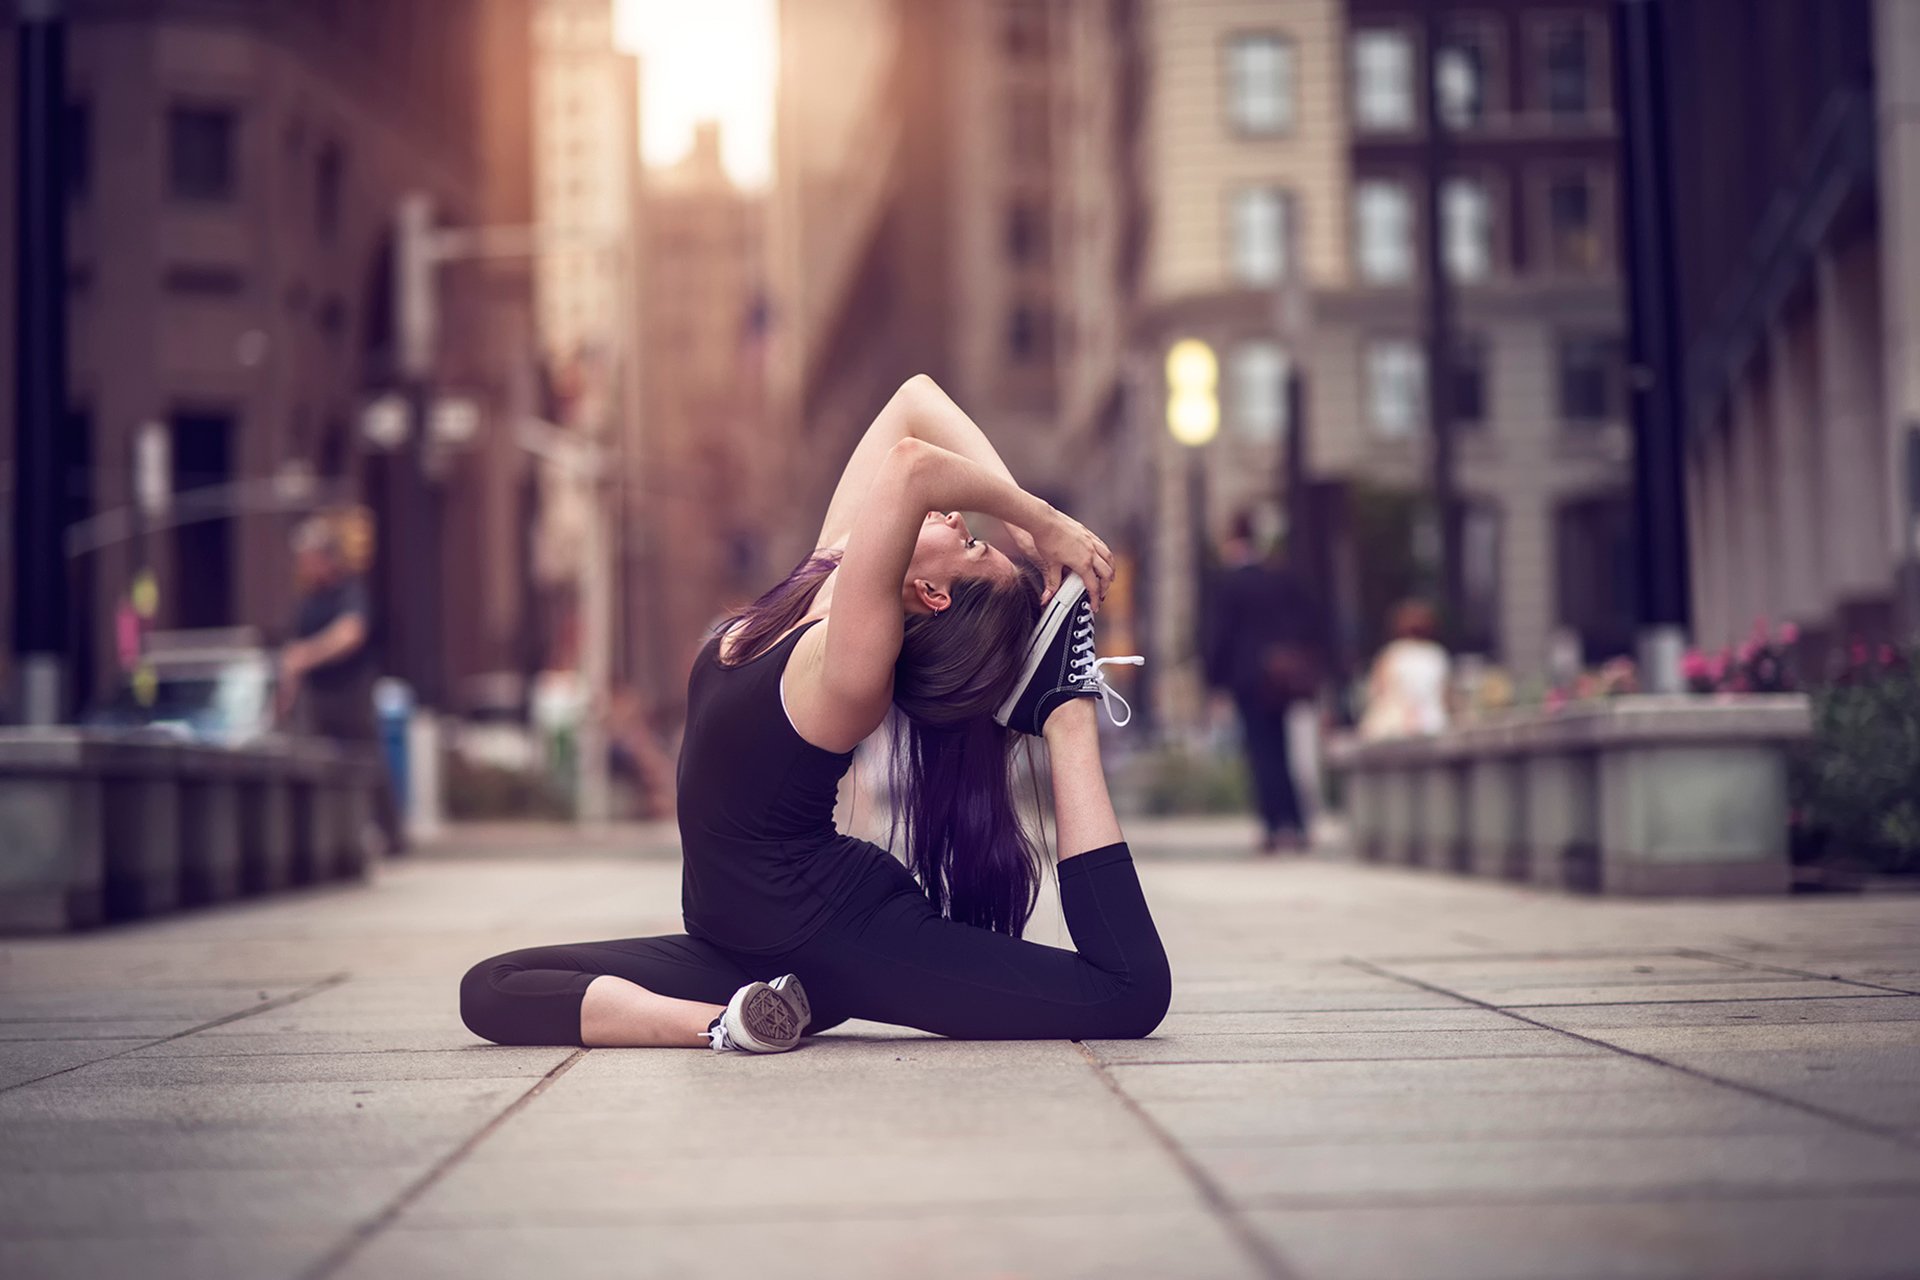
{"type": "Point", "coordinates": [796, 995]}
{"type": "Point", "coordinates": [769, 1019]}
{"type": "Point", "coordinates": [1059, 609]}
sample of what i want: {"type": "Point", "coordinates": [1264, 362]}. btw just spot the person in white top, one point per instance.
{"type": "Point", "coordinates": [1407, 689]}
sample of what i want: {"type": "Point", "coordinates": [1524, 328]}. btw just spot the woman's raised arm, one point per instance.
{"type": "Point", "coordinates": [919, 410]}
{"type": "Point", "coordinates": [862, 640]}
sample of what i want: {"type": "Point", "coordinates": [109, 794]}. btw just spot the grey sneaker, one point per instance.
{"type": "Point", "coordinates": [1060, 665]}
{"type": "Point", "coordinates": [762, 1017]}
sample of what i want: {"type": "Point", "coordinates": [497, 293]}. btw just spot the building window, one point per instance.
{"type": "Point", "coordinates": [1026, 232]}
{"type": "Point", "coordinates": [1396, 388]}
{"type": "Point", "coordinates": [1590, 378]}
{"type": "Point", "coordinates": [1260, 83]}
{"type": "Point", "coordinates": [1023, 28]}
{"type": "Point", "coordinates": [201, 153]}
{"type": "Point", "coordinates": [1382, 80]}
{"type": "Point", "coordinates": [1260, 217]}
{"type": "Point", "coordinates": [78, 130]}
{"type": "Point", "coordinates": [1594, 582]}
{"type": "Point", "coordinates": [1567, 67]}
{"type": "Point", "coordinates": [1383, 232]}
{"type": "Point", "coordinates": [1463, 76]}
{"type": "Point", "coordinates": [1467, 221]}
{"type": "Point", "coordinates": [1029, 340]}
{"type": "Point", "coordinates": [1256, 386]}
{"type": "Point", "coordinates": [203, 281]}
{"type": "Point", "coordinates": [329, 176]}
{"type": "Point", "coordinates": [1573, 223]}
{"type": "Point", "coordinates": [1467, 402]}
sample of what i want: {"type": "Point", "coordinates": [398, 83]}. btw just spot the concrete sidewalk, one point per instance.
{"type": "Point", "coordinates": [1367, 1073]}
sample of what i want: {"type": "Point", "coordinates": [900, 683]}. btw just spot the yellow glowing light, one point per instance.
{"type": "Point", "coordinates": [716, 60]}
{"type": "Point", "coordinates": [1193, 407]}
{"type": "Point", "coordinates": [146, 594]}
{"type": "Point", "coordinates": [1191, 366]}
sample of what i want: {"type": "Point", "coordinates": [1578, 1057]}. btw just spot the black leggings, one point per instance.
{"type": "Point", "coordinates": [884, 955]}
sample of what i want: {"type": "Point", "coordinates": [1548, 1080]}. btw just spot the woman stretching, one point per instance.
{"type": "Point", "coordinates": [900, 608]}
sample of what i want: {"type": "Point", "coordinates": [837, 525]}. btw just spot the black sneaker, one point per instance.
{"type": "Point", "coordinates": [1060, 665]}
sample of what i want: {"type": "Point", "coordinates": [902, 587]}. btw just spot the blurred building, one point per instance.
{"type": "Point", "coordinates": [713, 477]}
{"type": "Point", "coordinates": [234, 174]}
{"type": "Point", "coordinates": [586, 161]}
{"type": "Point", "coordinates": [957, 196]}
{"type": "Point", "coordinates": [1243, 160]}
{"type": "Point", "coordinates": [1793, 137]}
{"type": "Point", "coordinates": [1523, 179]}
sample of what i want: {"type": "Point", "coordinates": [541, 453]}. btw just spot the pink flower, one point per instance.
{"type": "Point", "coordinates": [1857, 653]}
{"type": "Point", "coordinates": [1556, 701]}
{"type": "Point", "coordinates": [1789, 633]}
{"type": "Point", "coordinates": [1717, 665]}
{"type": "Point", "coordinates": [1694, 665]}
{"type": "Point", "coordinates": [1747, 652]}
{"type": "Point", "coordinates": [1886, 655]}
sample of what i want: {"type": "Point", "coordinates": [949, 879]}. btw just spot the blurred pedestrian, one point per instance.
{"type": "Point", "coordinates": [1260, 645]}
{"type": "Point", "coordinates": [327, 671]}
{"type": "Point", "coordinates": [1407, 688]}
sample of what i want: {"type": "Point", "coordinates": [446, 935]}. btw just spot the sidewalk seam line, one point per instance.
{"type": "Point", "coordinates": [1265, 1256]}
{"type": "Point", "coordinates": [1841, 1118]}
{"type": "Point", "coordinates": [342, 1253]}
{"type": "Point", "coordinates": [1760, 967]}
{"type": "Point", "coordinates": [278, 1002]}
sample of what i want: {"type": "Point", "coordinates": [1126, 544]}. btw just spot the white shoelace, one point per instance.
{"type": "Point", "coordinates": [1084, 669]}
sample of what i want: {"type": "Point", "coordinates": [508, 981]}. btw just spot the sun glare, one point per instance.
{"type": "Point", "coordinates": [714, 60]}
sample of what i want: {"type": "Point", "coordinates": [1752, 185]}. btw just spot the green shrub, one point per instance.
{"type": "Point", "coordinates": [1858, 782]}
{"type": "Point", "coordinates": [490, 793]}
{"type": "Point", "coordinates": [1175, 780]}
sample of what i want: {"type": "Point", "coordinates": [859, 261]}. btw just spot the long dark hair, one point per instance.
{"type": "Point", "coordinates": [952, 770]}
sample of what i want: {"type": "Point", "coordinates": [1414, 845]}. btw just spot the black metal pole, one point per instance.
{"type": "Point", "coordinates": [1655, 384]}
{"type": "Point", "coordinates": [1440, 342]}
{"type": "Point", "coordinates": [40, 623]}
{"type": "Point", "coordinates": [421, 557]}
{"type": "Point", "coordinates": [1197, 533]}
{"type": "Point", "coordinates": [1293, 474]}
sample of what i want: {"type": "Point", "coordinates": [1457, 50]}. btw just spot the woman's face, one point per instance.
{"type": "Point", "coordinates": [947, 551]}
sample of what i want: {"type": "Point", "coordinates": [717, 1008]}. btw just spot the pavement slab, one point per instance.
{"type": "Point", "coordinates": [1366, 1072]}
{"type": "Point", "coordinates": [1848, 1236]}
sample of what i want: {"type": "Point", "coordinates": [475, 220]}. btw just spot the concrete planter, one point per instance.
{"type": "Point", "coordinates": [99, 826]}
{"type": "Point", "coordinates": [1640, 795]}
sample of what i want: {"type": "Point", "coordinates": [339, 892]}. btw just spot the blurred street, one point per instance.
{"type": "Point", "coordinates": [1367, 1073]}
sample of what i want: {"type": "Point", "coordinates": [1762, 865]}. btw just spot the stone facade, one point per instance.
{"type": "Point", "coordinates": [235, 179]}
{"type": "Point", "coordinates": [1800, 325]}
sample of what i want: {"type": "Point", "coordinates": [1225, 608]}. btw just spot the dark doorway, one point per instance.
{"type": "Point", "coordinates": [203, 543]}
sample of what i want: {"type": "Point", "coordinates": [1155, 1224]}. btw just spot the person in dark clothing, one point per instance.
{"type": "Point", "coordinates": [899, 610]}
{"type": "Point", "coordinates": [1259, 644]}
{"type": "Point", "coordinates": [327, 671]}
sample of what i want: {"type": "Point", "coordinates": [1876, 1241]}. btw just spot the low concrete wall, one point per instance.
{"type": "Point", "coordinates": [1637, 795]}
{"type": "Point", "coordinates": [98, 826]}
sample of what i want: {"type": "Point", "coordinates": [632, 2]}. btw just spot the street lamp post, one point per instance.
{"type": "Point", "coordinates": [422, 249]}
{"type": "Point", "coordinates": [1193, 420]}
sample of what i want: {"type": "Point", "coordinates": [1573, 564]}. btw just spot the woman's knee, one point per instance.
{"type": "Point", "coordinates": [482, 1003]}
{"type": "Point", "coordinates": [1139, 1008]}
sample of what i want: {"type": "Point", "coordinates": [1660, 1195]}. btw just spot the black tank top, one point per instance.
{"type": "Point", "coordinates": [764, 864]}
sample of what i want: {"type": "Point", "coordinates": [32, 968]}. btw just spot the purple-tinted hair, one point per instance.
{"type": "Point", "coordinates": [952, 770]}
